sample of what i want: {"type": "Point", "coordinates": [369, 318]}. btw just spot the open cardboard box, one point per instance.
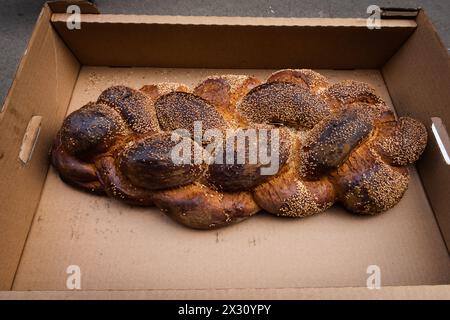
{"type": "Point", "coordinates": [128, 252]}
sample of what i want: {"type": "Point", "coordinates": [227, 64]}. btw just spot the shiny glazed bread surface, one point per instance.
{"type": "Point", "coordinates": [337, 143]}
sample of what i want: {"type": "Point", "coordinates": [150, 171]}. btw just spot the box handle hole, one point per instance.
{"type": "Point", "coordinates": [30, 138]}
{"type": "Point", "coordinates": [442, 138]}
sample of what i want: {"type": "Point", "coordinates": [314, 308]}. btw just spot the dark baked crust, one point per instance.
{"type": "Point", "coordinates": [367, 185]}
{"type": "Point", "coordinates": [118, 186]}
{"type": "Point", "coordinates": [338, 143]}
{"type": "Point", "coordinates": [331, 141]}
{"type": "Point", "coordinates": [91, 130]}
{"type": "Point", "coordinates": [247, 174]}
{"type": "Point", "coordinates": [148, 163]}
{"type": "Point", "coordinates": [200, 207]}
{"type": "Point", "coordinates": [74, 171]}
{"type": "Point", "coordinates": [134, 106]}
{"type": "Point", "coordinates": [283, 103]}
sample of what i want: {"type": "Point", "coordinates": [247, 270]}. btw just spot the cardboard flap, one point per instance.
{"type": "Point", "coordinates": [418, 77]}
{"type": "Point", "coordinates": [185, 42]}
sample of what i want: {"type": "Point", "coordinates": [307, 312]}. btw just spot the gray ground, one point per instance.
{"type": "Point", "coordinates": [17, 17]}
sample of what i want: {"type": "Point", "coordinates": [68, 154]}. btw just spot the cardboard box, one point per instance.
{"type": "Point", "coordinates": [127, 252]}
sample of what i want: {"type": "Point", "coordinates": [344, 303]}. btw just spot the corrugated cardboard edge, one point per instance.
{"type": "Point", "coordinates": [425, 62]}
{"type": "Point", "coordinates": [388, 293]}
{"type": "Point", "coordinates": [232, 21]}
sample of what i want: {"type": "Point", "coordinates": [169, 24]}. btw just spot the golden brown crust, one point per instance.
{"type": "Point", "coordinates": [224, 92]}
{"type": "Point", "coordinates": [338, 143]}
{"type": "Point", "coordinates": [240, 86]}
{"type": "Point", "coordinates": [154, 91]}
{"type": "Point", "coordinates": [367, 185]}
{"type": "Point", "coordinates": [310, 197]}
{"type": "Point", "coordinates": [217, 92]}
{"type": "Point", "coordinates": [401, 142]}
{"type": "Point", "coordinates": [314, 81]}
{"type": "Point", "coordinates": [200, 207]}
{"type": "Point", "coordinates": [288, 195]}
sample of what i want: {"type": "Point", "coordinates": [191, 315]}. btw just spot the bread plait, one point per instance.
{"type": "Point", "coordinates": [217, 154]}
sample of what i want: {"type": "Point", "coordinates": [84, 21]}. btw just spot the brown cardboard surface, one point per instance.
{"type": "Point", "coordinates": [119, 247]}
{"type": "Point", "coordinates": [232, 42]}
{"type": "Point", "coordinates": [42, 88]}
{"type": "Point", "coordinates": [418, 77]}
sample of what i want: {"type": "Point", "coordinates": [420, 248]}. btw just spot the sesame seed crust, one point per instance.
{"type": "Point", "coordinates": [367, 185]}
{"type": "Point", "coordinates": [134, 106]}
{"type": "Point", "coordinates": [310, 197]}
{"type": "Point", "coordinates": [285, 103]}
{"type": "Point", "coordinates": [331, 141]}
{"type": "Point", "coordinates": [179, 110]}
{"type": "Point", "coordinates": [288, 196]}
{"type": "Point", "coordinates": [244, 176]}
{"type": "Point", "coordinates": [338, 143]}
{"type": "Point", "coordinates": [402, 142]}
{"type": "Point", "coordinates": [91, 130]}
{"type": "Point", "coordinates": [148, 163]}
{"type": "Point", "coordinates": [349, 91]}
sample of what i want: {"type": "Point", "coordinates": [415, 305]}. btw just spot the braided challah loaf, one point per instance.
{"type": "Point", "coordinates": [334, 143]}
